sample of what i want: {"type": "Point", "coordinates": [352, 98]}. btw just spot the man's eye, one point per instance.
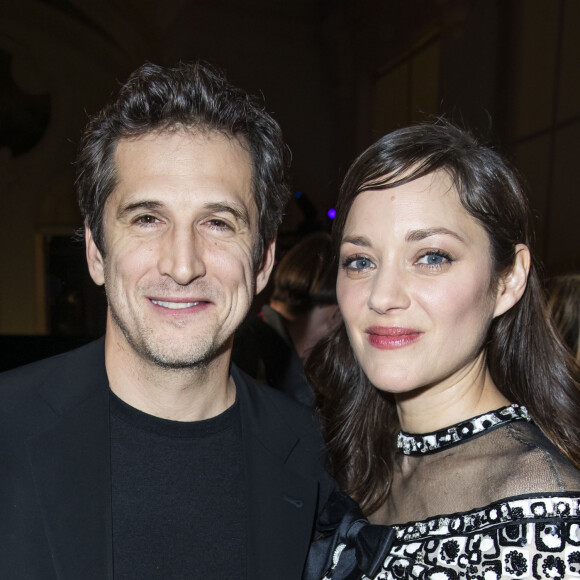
{"type": "Point", "coordinates": [146, 219]}
{"type": "Point", "coordinates": [219, 224]}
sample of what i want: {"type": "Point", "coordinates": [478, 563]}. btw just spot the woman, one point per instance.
{"type": "Point", "coordinates": [451, 408]}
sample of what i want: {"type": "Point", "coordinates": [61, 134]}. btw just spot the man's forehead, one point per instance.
{"type": "Point", "coordinates": [194, 132]}
{"type": "Point", "coordinates": [140, 172]}
{"type": "Point", "coordinates": [234, 148]}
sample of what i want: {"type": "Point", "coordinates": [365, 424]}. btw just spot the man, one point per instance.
{"type": "Point", "coordinates": [145, 455]}
{"type": "Point", "coordinates": [302, 310]}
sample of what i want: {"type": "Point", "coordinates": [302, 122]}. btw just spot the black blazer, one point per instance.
{"type": "Point", "coordinates": [55, 482]}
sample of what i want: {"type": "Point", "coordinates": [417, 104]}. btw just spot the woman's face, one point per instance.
{"type": "Point", "coordinates": [414, 285]}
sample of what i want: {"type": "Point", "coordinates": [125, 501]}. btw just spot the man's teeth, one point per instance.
{"type": "Point", "coordinates": [174, 305]}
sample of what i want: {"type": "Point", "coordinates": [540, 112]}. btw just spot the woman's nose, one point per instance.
{"type": "Point", "coordinates": [388, 291]}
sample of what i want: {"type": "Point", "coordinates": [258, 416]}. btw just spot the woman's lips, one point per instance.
{"type": "Point", "coordinates": [391, 337]}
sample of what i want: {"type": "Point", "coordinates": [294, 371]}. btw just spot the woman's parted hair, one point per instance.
{"type": "Point", "coordinates": [193, 97]}
{"type": "Point", "coordinates": [525, 358]}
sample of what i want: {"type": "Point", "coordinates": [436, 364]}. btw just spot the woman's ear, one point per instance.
{"type": "Point", "coordinates": [512, 285]}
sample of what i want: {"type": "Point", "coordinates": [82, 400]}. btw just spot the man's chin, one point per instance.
{"type": "Point", "coordinates": [172, 360]}
{"type": "Point", "coordinates": [179, 363]}
{"type": "Point", "coordinates": [174, 352]}
{"type": "Point", "coordinates": [201, 358]}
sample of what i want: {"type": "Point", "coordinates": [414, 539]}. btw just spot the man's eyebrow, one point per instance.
{"type": "Point", "coordinates": [418, 235]}
{"type": "Point", "coordinates": [239, 212]}
{"type": "Point", "coordinates": [129, 208]}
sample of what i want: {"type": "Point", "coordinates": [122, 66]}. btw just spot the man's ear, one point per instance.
{"type": "Point", "coordinates": [513, 284]}
{"type": "Point", "coordinates": [263, 273]}
{"type": "Point", "coordinates": [94, 258]}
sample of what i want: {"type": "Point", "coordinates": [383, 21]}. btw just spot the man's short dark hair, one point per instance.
{"type": "Point", "coordinates": [196, 97]}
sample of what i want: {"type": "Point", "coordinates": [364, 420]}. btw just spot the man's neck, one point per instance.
{"type": "Point", "coordinates": [191, 394]}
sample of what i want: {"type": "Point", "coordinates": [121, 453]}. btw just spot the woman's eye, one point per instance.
{"type": "Point", "coordinates": [357, 263]}
{"type": "Point", "coordinates": [434, 259]}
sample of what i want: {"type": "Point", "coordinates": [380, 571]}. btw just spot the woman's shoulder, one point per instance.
{"type": "Point", "coordinates": [532, 464]}
{"type": "Point", "coordinates": [536, 536]}
{"type": "Point", "coordinates": [512, 460]}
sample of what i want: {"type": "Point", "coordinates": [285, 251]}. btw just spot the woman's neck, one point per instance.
{"type": "Point", "coordinates": [465, 394]}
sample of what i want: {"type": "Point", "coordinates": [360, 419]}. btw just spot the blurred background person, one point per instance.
{"type": "Point", "coordinates": [272, 345]}
{"type": "Point", "coordinates": [564, 305]}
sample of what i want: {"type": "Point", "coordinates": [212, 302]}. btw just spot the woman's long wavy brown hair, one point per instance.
{"type": "Point", "coordinates": [526, 359]}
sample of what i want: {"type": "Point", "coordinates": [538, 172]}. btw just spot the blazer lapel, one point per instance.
{"type": "Point", "coordinates": [281, 515]}
{"type": "Point", "coordinates": [70, 462]}
{"type": "Point", "coordinates": [281, 502]}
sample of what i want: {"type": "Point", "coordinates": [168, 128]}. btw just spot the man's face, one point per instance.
{"type": "Point", "coordinates": [179, 230]}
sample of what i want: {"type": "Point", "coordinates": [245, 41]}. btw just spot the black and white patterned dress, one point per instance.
{"type": "Point", "coordinates": [485, 499]}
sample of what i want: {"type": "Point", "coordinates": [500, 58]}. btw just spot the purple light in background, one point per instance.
{"type": "Point", "coordinates": [331, 213]}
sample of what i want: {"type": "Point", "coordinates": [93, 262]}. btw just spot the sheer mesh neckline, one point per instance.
{"type": "Point", "coordinates": [425, 443]}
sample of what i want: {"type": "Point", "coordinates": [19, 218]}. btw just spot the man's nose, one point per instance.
{"type": "Point", "coordinates": [389, 291]}
{"type": "Point", "coordinates": [181, 256]}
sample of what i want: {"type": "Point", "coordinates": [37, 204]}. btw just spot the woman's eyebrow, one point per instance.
{"type": "Point", "coordinates": [418, 235]}
{"type": "Point", "coordinates": [356, 241]}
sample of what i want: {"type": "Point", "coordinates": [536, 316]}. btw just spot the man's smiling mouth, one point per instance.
{"type": "Point", "coordinates": [174, 305]}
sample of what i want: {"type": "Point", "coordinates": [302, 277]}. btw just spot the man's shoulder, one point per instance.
{"type": "Point", "coordinates": [22, 385]}
{"type": "Point", "coordinates": [38, 369]}
{"type": "Point", "coordinates": [286, 428]}
{"type": "Point", "coordinates": [280, 423]}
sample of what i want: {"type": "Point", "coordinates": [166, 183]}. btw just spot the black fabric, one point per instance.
{"type": "Point", "coordinates": [347, 534]}
{"type": "Point", "coordinates": [263, 349]}
{"type": "Point", "coordinates": [55, 473]}
{"type": "Point", "coordinates": [179, 495]}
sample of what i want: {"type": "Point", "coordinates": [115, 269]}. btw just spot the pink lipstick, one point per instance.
{"type": "Point", "coordinates": [391, 337]}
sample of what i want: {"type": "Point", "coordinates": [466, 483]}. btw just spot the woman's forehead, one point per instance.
{"type": "Point", "coordinates": [430, 202]}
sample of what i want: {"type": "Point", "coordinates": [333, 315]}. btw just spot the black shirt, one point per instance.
{"type": "Point", "coordinates": [179, 496]}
